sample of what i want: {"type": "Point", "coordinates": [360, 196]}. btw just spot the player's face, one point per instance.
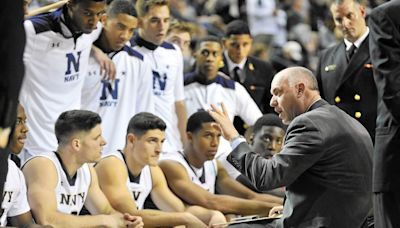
{"type": "Point", "coordinates": [154, 25]}
{"type": "Point", "coordinates": [92, 143]}
{"type": "Point", "coordinates": [205, 141]}
{"type": "Point", "coordinates": [349, 18]}
{"type": "Point", "coordinates": [119, 30]}
{"type": "Point", "coordinates": [284, 99]}
{"type": "Point", "coordinates": [147, 148]}
{"type": "Point", "coordinates": [208, 58]}
{"type": "Point", "coordinates": [238, 47]}
{"type": "Point", "coordinates": [182, 39]}
{"type": "Point", "coordinates": [86, 14]}
{"type": "Point", "coordinates": [268, 141]}
{"type": "Point", "coordinates": [20, 131]}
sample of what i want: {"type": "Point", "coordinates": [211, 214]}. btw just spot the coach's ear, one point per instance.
{"type": "Point", "coordinates": [103, 19]}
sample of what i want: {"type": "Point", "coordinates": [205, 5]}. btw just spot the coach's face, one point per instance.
{"type": "Point", "coordinates": [85, 14]}
{"type": "Point", "coordinates": [284, 99]}
{"type": "Point", "coordinates": [349, 17]}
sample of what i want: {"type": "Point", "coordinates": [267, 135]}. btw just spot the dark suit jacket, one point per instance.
{"type": "Point", "coordinates": [351, 85]}
{"type": "Point", "coordinates": [258, 78]}
{"type": "Point", "coordinates": [384, 23]}
{"type": "Point", "coordinates": [325, 165]}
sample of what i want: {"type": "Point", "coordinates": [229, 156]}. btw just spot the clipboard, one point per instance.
{"type": "Point", "coordinates": [243, 219]}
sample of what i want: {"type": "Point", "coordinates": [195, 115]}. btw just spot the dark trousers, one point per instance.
{"type": "Point", "coordinates": [387, 209]}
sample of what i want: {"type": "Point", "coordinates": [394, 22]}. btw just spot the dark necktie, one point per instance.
{"type": "Point", "coordinates": [236, 76]}
{"type": "Point", "coordinates": [351, 52]}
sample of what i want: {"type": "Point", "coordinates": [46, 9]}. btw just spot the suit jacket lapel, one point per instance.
{"type": "Point", "coordinates": [225, 68]}
{"type": "Point", "coordinates": [359, 59]}
{"type": "Point", "coordinates": [341, 61]}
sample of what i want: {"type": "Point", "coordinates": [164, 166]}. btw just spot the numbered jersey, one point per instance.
{"type": "Point", "coordinates": [205, 177]}
{"type": "Point", "coordinates": [116, 101]}
{"type": "Point", "coordinates": [167, 68]}
{"type": "Point", "coordinates": [141, 185]}
{"type": "Point", "coordinates": [14, 201]}
{"type": "Point", "coordinates": [71, 193]}
{"type": "Point", "coordinates": [55, 65]}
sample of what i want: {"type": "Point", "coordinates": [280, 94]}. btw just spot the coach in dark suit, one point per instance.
{"type": "Point", "coordinates": [385, 55]}
{"type": "Point", "coordinates": [325, 162]}
{"type": "Point", "coordinates": [344, 73]}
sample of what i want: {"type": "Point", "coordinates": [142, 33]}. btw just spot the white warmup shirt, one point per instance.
{"type": "Point", "coordinates": [15, 201]}
{"type": "Point", "coordinates": [56, 64]}
{"type": "Point", "coordinates": [167, 67]}
{"type": "Point", "coordinates": [117, 101]}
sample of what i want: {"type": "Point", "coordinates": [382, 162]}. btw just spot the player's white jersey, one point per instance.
{"type": "Point", "coordinates": [116, 101]}
{"type": "Point", "coordinates": [71, 193]}
{"type": "Point", "coordinates": [140, 186]}
{"type": "Point", "coordinates": [167, 69]}
{"type": "Point", "coordinates": [201, 94]}
{"type": "Point", "coordinates": [15, 201]}
{"type": "Point", "coordinates": [205, 177]}
{"type": "Point", "coordinates": [55, 65]}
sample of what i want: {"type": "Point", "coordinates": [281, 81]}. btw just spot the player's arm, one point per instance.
{"type": "Point", "coordinates": [182, 185]}
{"type": "Point", "coordinates": [227, 185]}
{"type": "Point", "coordinates": [181, 114]}
{"type": "Point", "coordinates": [46, 8]}
{"type": "Point", "coordinates": [41, 178]}
{"type": "Point", "coordinates": [112, 178]}
{"type": "Point", "coordinates": [107, 66]}
{"type": "Point", "coordinates": [25, 220]}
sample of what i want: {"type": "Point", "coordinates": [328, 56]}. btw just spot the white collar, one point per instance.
{"type": "Point", "coordinates": [232, 65]}
{"type": "Point", "coordinates": [358, 42]}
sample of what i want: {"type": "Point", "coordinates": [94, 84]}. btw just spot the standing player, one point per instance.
{"type": "Point", "coordinates": [60, 183]}
{"type": "Point", "coordinates": [167, 67]}
{"type": "Point", "coordinates": [56, 56]}
{"type": "Point", "coordinates": [130, 92]}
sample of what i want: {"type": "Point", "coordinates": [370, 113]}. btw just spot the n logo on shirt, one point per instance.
{"type": "Point", "coordinates": [72, 61]}
{"type": "Point", "coordinates": [159, 83]}
{"type": "Point", "coordinates": [109, 88]}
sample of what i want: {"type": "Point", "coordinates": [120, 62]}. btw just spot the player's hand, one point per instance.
{"type": "Point", "coordinates": [107, 66]}
{"type": "Point", "coordinates": [134, 221]}
{"type": "Point", "coordinates": [276, 211]}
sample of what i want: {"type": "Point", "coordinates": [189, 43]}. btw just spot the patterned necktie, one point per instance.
{"type": "Point", "coordinates": [350, 52]}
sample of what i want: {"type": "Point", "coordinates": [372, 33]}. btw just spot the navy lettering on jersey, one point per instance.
{"type": "Point", "coordinates": [68, 199]}
{"type": "Point", "coordinates": [72, 61]}
{"type": "Point", "coordinates": [7, 196]}
{"type": "Point", "coordinates": [107, 87]}
{"type": "Point", "coordinates": [159, 83]}
{"type": "Point", "coordinates": [136, 195]}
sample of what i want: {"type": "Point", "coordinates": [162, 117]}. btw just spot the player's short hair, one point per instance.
{"type": "Point", "coordinates": [269, 119]}
{"type": "Point", "coordinates": [180, 27]}
{"type": "Point", "coordinates": [75, 121]}
{"type": "Point", "coordinates": [121, 7]}
{"type": "Point", "coordinates": [196, 121]}
{"type": "Point", "coordinates": [237, 27]}
{"type": "Point", "coordinates": [142, 122]}
{"type": "Point", "coordinates": [143, 6]}
{"type": "Point", "coordinates": [208, 39]}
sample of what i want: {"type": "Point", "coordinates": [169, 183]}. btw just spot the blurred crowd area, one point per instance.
{"type": "Point", "coordinates": [286, 33]}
